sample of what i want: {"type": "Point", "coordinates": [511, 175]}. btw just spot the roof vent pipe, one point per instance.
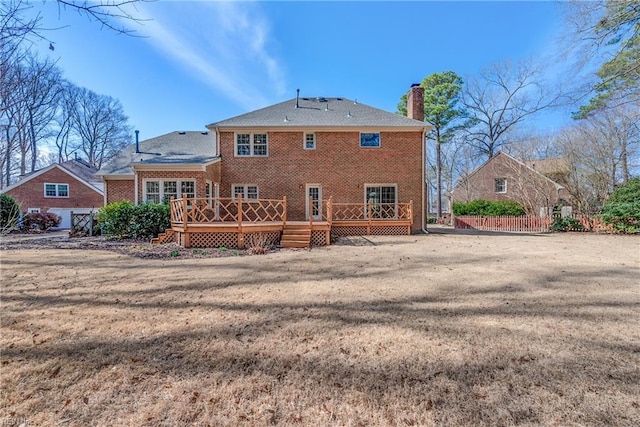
{"type": "Point", "coordinates": [297, 98]}
{"type": "Point", "coordinates": [137, 142]}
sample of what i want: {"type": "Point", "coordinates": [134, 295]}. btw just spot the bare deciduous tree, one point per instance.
{"type": "Point", "coordinates": [100, 125]}
{"type": "Point", "coordinates": [498, 99]}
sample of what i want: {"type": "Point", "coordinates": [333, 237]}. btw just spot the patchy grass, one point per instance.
{"type": "Point", "coordinates": [420, 330]}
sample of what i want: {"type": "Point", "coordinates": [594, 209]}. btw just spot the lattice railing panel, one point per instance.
{"type": "Point", "coordinates": [372, 211]}
{"type": "Point", "coordinates": [176, 210]}
{"type": "Point", "coordinates": [319, 237]}
{"type": "Point", "coordinates": [348, 212]}
{"type": "Point", "coordinates": [213, 240]}
{"type": "Point", "coordinates": [263, 210]}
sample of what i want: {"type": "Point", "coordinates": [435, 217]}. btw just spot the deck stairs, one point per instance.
{"type": "Point", "coordinates": [296, 235]}
{"type": "Point", "coordinates": [167, 237]}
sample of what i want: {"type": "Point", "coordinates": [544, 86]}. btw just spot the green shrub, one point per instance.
{"type": "Point", "coordinates": [488, 208]}
{"type": "Point", "coordinates": [150, 219]}
{"type": "Point", "coordinates": [622, 208]}
{"type": "Point", "coordinates": [41, 221]}
{"type": "Point", "coordinates": [628, 193]}
{"type": "Point", "coordinates": [624, 217]}
{"type": "Point", "coordinates": [126, 220]}
{"type": "Point", "coordinates": [566, 224]}
{"type": "Point", "coordinates": [115, 219]}
{"type": "Point", "coordinates": [9, 213]}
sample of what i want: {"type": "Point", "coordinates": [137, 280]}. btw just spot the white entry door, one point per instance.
{"type": "Point", "coordinates": [313, 191]}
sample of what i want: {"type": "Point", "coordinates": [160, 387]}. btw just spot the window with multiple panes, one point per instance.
{"type": "Point", "coordinates": [381, 200]}
{"type": "Point", "coordinates": [247, 191]}
{"type": "Point", "coordinates": [157, 191]}
{"type": "Point", "coordinates": [500, 185]}
{"type": "Point", "coordinates": [56, 190]}
{"type": "Point", "coordinates": [309, 141]}
{"type": "Point", "coordinates": [252, 144]}
{"type": "Point", "coordinates": [370, 140]}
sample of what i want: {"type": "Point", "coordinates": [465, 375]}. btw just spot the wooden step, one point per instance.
{"type": "Point", "coordinates": [296, 236]}
{"type": "Point", "coordinates": [165, 237]}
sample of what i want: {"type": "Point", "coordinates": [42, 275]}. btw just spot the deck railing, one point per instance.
{"type": "Point", "coordinates": [227, 210]}
{"type": "Point", "coordinates": [371, 211]}
{"type": "Point", "coordinates": [185, 211]}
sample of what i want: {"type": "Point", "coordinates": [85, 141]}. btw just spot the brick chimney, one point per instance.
{"type": "Point", "coordinates": [415, 102]}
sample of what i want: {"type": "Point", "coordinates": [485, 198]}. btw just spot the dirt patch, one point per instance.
{"type": "Point", "coordinates": [417, 330]}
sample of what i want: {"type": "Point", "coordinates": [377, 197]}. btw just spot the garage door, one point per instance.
{"type": "Point", "coordinates": [65, 214]}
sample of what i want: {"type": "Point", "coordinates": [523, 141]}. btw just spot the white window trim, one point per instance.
{"type": "Point", "coordinates": [251, 144]}
{"type": "Point", "coordinates": [505, 186]}
{"type": "Point", "coordinates": [374, 184]}
{"type": "Point", "coordinates": [304, 140]}
{"type": "Point", "coordinates": [364, 146]}
{"type": "Point", "coordinates": [161, 189]}
{"type": "Point", "coordinates": [56, 196]}
{"type": "Point", "coordinates": [244, 191]}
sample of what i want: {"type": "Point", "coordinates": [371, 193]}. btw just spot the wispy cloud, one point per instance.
{"type": "Point", "coordinates": [225, 44]}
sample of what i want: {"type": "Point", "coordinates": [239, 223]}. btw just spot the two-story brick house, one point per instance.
{"type": "Point", "coordinates": [299, 149]}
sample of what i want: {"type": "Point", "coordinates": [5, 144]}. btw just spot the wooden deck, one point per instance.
{"type": "Point", "coordinates": [241, 223]}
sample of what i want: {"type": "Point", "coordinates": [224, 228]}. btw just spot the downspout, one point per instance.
{"type": "Point", "coordinates": [135, 186]}
{"type": "Point", "coordinates": [424, 178]}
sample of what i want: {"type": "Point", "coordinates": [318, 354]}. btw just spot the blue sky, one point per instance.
{"type": "Point", "coordinates": [201, 62]}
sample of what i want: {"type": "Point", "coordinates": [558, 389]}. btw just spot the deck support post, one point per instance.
{"type": "Point", "coordinates": [410, 217]}
{"type": "Point", "coordinates": [239, 221]}
{"type": "Point", "coordinates": [284, 212]}
{"type": "Point", "coordinates": [369, 215]}
{"type": "Point", "coordinates": [329, 215]}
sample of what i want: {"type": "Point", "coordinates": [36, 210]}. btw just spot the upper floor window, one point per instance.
{"type": "Point", "coordinates": [370, 140]}
{"type": "Point", "coordinates": [500, 185]}
{"type": "Point", "coordinates": [309, 141]}
{"type": "Point", "coordinates": [251, 145]}
{"type": "Point", "coordinates": [56, 190]}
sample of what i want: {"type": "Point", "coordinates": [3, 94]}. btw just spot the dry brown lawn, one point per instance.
{"type": "Point", "coordinates": [452, 330]}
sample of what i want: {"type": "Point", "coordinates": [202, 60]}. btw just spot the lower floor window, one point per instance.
{"type": "Point", "coordinates": [246, 191]}
{"type": "Point", "coordinates": [381, 200]}
{"type": "Point", "coordinates": [161, 191]}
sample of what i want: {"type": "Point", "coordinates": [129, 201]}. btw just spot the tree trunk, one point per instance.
{"type": "Point", "coordinates": [438, 175]}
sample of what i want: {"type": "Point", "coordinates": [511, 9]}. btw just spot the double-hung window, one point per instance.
{"type": "Point", "coordinates": [161, 191]}
{"type": "Point", "coordinates": [56, 190]}
{"type": "Point", "coordinates": [252, 145]}
{"type": "Point", "coordinates": [246, 191]}
{"type": "Point", "coordinates": [500, 185]}
{"type": "Point", "coordinates": [309, 141]}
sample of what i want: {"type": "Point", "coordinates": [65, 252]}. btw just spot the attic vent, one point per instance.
{"type": "Point", "coordinates": [181, 132]}
{"type": "Point", "coordinates": [338, 99]}
{"type": "Point", "coordinates": [306, 99]}
{"type": "Point", "coordinates": [205, 133]}
{"type": "Point", "coordinates": [321, 99]}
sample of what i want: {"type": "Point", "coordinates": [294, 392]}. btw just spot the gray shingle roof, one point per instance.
{"type": "Point", "coordinates": [83, 170]}
{"type": "Point", "coordinates": [319, 112]}
{"type": "Point", "coordinates": [191, 147]}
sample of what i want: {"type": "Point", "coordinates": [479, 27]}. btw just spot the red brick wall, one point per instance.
{"type": "Point", "coordinates": [338, 164]}
{"type": "Point", "coordinates": [31, 193]}
{"type": "Point", "coordinates": [523, 185]}
{"type": "Point", "coordinates": [119, 190]}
